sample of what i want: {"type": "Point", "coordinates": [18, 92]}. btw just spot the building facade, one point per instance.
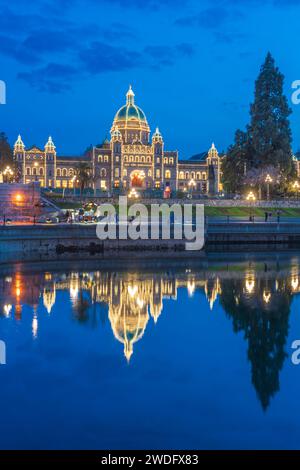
{"type": "Point", "coordinates": [131, 158]}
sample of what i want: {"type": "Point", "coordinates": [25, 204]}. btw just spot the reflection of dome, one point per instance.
{"type": "Point", "coordinates": [129, 318]}
{"type": "Point", "coordinates": [131, 121]}
{"type": "Point", "coordinates": [49, 297]}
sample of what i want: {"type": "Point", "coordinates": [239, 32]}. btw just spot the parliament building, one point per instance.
{"type": "Point", "coordinates": [131, 158]}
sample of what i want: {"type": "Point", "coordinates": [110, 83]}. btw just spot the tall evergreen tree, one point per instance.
{"type": "Point", "coordinates": [236, 162]}
{"type": "Point", "coordinates": [269, 130]}
{"type": "Point", "coordinates": [268, 138]}
{"type": "Point", "coordinates": [6, 155]}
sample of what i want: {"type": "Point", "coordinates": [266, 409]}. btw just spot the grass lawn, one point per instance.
{"type": "Point", "coordinates": [211, 211]}
{"type": "Point", "coordinates": [245, 211]}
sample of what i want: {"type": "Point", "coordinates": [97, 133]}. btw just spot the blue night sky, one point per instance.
{"type": "Point", "coordinates": [67, 65]}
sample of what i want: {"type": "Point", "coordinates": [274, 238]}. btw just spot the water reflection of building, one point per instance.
{"type": "Point", "coordinates": [131, 298]}
{"type": "Point", "coordinates": [255, 298]}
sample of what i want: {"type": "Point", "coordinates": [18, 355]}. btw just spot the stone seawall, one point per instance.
{"type": "Point", "coordinates": [75, 238]}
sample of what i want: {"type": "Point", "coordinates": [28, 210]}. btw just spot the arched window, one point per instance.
{"type": "Point", "coordinates": [124, 172]}
{"type": "Point", "coordinates": [71, 172]}
{"type": "Point", "coordinates": [142, 159]}
{"type": "Point", "coordinates": [165, 160]}
{"type": "Point", "coordinates": [149, 159]}
{"type": "Point", "coordinates": [181, 175]}
{"type": "Point", "coordinates": [204, 176]}
{"type": "Point", "coordinates": [167, 174]}
{"type": "Point", "coordinates": [137, 158]}
{"type": "Point", "coordinates": [34, 171]}
{"type": "Point", "coordinates": [171, 161]}
{"type": "Point", "coordinates": [193, 175]}
{"type": "Point", "coordinates": [58, 172]}
{"type": "Point", "coordinates": [117, 172]}
{"type": "Point", "coordinates": [28, 171]}
{"type": "Point", "coordinates": [198, 175]}
{"type": "Point", "coordinates": [100, 158]}
{"type": "Point", "coordinates": [149, 173]}
{"type": "Point", "coordinates": [41, 171]}
{"type": "Point", "coordinates": [103, 172]}
{"type": "Point", "coordinates": [64, 172]}
{"type": "Point", "coordinates": [131, 158]}
{"type": "Point", "coordinates": [187, 175]}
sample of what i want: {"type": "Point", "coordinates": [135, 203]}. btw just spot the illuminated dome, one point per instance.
{"type": "Point", "coordinates": [131, 121]}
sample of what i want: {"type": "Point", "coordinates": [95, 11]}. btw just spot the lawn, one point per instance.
{"type": "Point", "coordinates": [245, 211]}
{"type": "Point", "coordinates": [212, 211]}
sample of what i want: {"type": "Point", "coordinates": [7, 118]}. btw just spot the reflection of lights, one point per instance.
{"type": "Point", "coordinates": [7, 309]}
{"type": "Point", "coordinates": [8, 279]}
{"type": "Point", "coordinates": [18, 291]}
{"type": "Point", "coordinates": [191, 288]}
{"type": "Point", "coordinates": [34, 326]}
{"type": "Point", "coordinates": [140, 302]}
{"type": "Point", "coordinates": [132, 290]}
{"type": "Point", "coordinates": [48, 276]}
{"type": "Point", "coordinates": [250, 285]}
{"type": "Point", "coordinates": [74, 286]}
{"type": "Point", "coordinates": [73, 292]}
{"type": "Point", "coordinates": [267, 296]}
{"type": "Point", "coordinates": [295, 282]}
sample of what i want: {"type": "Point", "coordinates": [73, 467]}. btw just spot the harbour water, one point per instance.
{"type": "Point", "coordinates": [155, 354]}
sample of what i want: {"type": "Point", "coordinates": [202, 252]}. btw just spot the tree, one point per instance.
{"type": "Point", "coordinates": [6, 154]}
{"type": "Point", "coordinates": [83, 175]}
{"type": "Point", "coordinates": [270, 130]}
{"type": "Point", "coordinates": [265, 326]}
{"type": "Point", "coordinates": [236, 162]}
{"type": "Point", "coordinates": [257, 177]}
{"type": "Point", "coordinates": [268, 138]}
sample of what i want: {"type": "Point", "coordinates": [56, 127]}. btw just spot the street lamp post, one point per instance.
{"type": "Point", "coordinates": [251, 198]}
{"type": "Point", "coordinates": [268, 180]}
{"type": "Point", "coordinates": [296, 187]}
{"type": "Point", "coordinates": [8, 173]}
